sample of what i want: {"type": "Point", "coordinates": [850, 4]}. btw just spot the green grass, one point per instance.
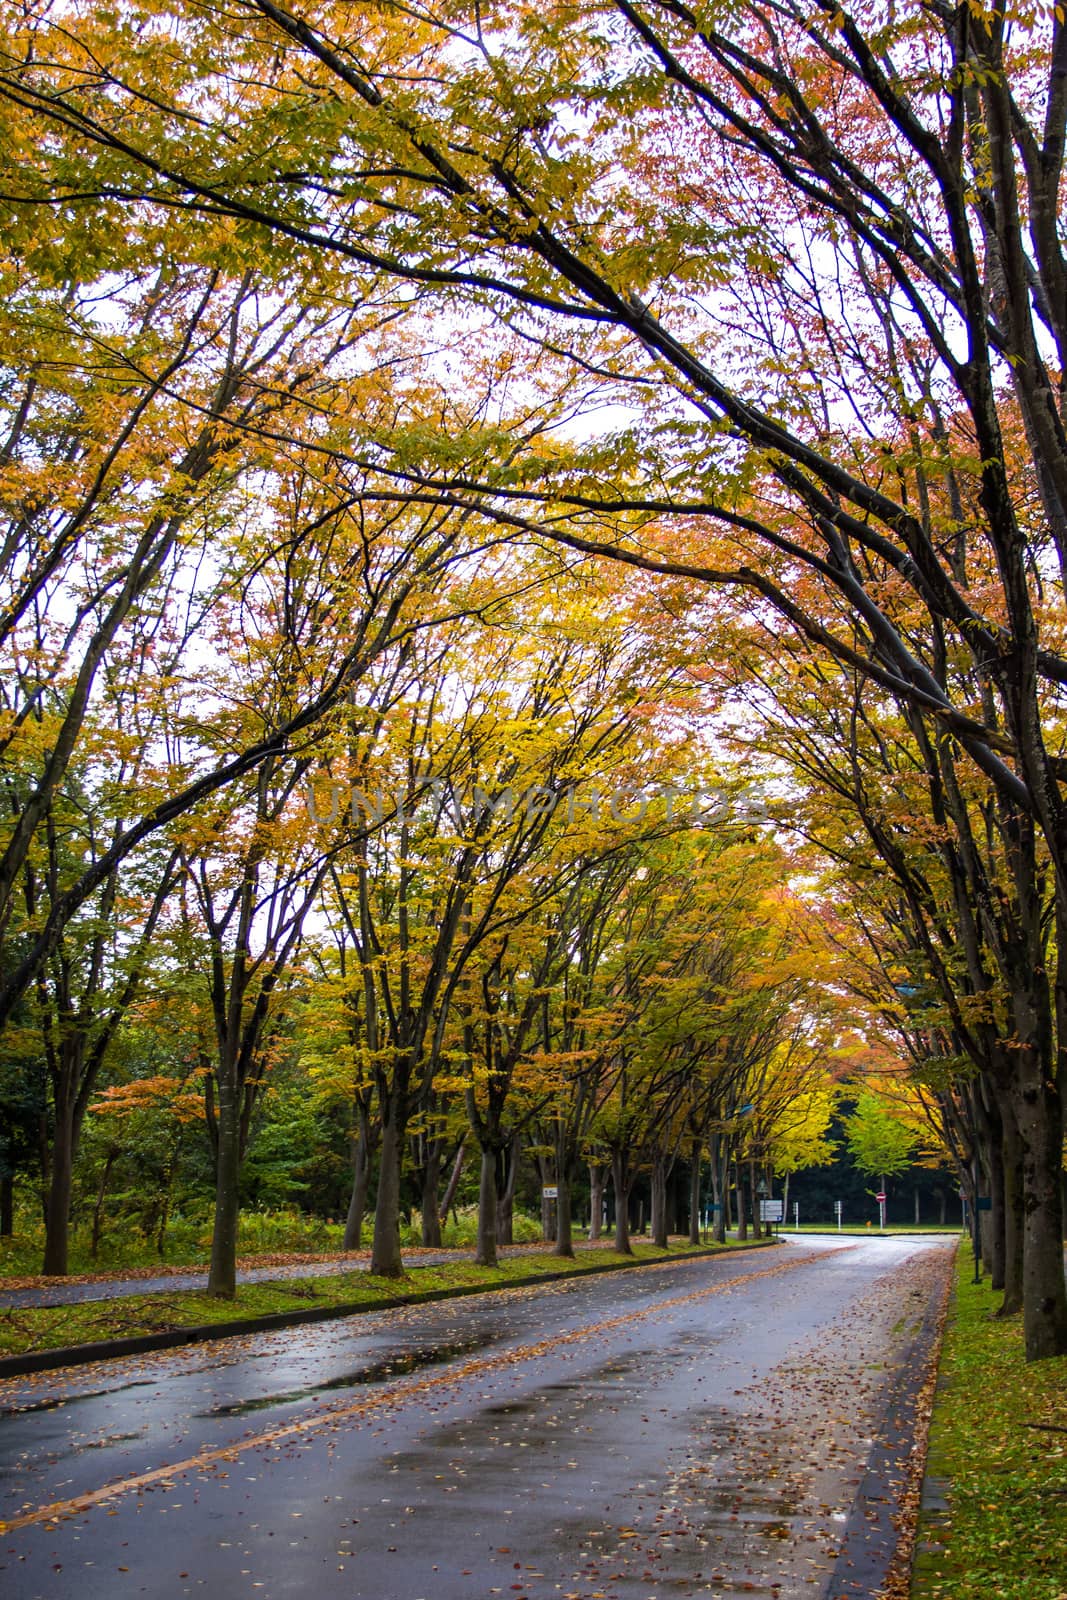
{"type": "Point", "coordinates": [999, 1434]}
{"type": "Point", "coordinates": [55, 1327]}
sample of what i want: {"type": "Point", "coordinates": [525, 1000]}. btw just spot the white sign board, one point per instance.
{"type": "Point", "coordinates": [771, 1210]}
{"type": "Point", "coordinates": [550, 1192]}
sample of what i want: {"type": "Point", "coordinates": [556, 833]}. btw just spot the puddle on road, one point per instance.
{"type": "Point", "coordinates": [397, 1366]}
{"type": "Point", "coordinates": [57, 1402]}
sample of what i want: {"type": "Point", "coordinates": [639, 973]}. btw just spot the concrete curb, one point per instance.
{"type": "Point", "coordinates": [174, 1338]}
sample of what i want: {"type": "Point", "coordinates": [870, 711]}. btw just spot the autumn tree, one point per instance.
{"type": "Point", "coordinates": [799, 243]}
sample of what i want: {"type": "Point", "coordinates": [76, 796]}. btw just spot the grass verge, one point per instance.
{"type": "Point", "coordinates": [38, 1328]}
{"type": "Point", "coordinates": [999, 1436]}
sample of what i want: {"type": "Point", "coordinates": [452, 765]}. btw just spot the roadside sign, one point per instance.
{"type": "Point", "coordinates": [985, 1202]}
{"type": "Point", "coordinates": [550, 1191]}
{"type": "Point", "coordinates": [880, 1199]}
{"type": "Point", "coordinates": [771, 1210]}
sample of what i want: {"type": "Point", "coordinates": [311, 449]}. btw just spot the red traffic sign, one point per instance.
{"type": "Point", "coordinates": [880, 1198]}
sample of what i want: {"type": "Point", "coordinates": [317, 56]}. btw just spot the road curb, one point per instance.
{"type": "Point", "coordinates": [76, 1355]}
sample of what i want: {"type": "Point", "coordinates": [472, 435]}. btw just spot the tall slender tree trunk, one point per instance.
{"type": "Point", "coordinates": [431, 1182]}
{"type": "Point", "coordinates": [1014, 1220]}
{"type": "Point", "coordinates": [621, 1189]}
{"type": "Point", "coordinates": [596, 1199]}
{"type": "Point", "coordinates": [222, 1276]}
{"type": "Point", "coordinates": [566, 1161]}
{"type": "Point", "coordinates": [98, 1208]}
{"type": "Point", "coordinates": [753, 1194]}
{"type": "Point", "coordinates": [164, 1210]}
{"type": "Point", "coordinates": [994, 1249]}
{"type": "Point", "coordinates": [57, 1203]}
{"type": "Point", "coordinates": [659, 1200]}
{"type": "Point", "coordinates": [505, 1196]}
{"type": "Point", "coordinates": [357, 1204]}
{"type": "Point", "coordinates": [453, 1182]}
{"type": "Point", "coordinates": [720, 1189]}
{"type": "Point", "coordinates": [564, 1225]}
{"type": "Point", "coordinates": [486, 1251]}
{"type": "Point", "coordinates": [386, 1261]}
{"type": "Point", "coordinates": [695, 1154]}
{"type": "Point", "coordinates": [742, 1221]}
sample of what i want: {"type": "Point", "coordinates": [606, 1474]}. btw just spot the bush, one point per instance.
{"type": "Point", "coordinates": [265, 1232]}
{"type": "Point", "coordinates": [462, 1233]}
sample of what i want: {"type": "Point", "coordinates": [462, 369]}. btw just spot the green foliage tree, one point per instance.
{"type": "Point", "coordinates": [879, 1143]}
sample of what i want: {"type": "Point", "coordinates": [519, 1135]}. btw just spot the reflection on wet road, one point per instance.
{"type": "Point", "coordinates": [700, 1428]}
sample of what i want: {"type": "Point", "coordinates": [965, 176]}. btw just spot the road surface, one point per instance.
{"type": "Point", "coordinates": [709, 1427]}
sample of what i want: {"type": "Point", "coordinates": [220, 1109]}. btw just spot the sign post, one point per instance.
{"type": "Point", "coordinates": [549, 1219]}
{"type": "Point", "coordinates": [771, 1211]}
{"type": "Point", "coordinates": [796, 1216]}
{"type": "Point", "coordinates": [880, 1197]}
{"type": "Point", "coordinates": [837, 1214]}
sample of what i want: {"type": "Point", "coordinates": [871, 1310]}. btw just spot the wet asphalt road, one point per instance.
{"type": "Point", "coordinates": [709, 1427]}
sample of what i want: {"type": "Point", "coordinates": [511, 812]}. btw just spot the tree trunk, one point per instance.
{"type": "Point", "coordinates": [564, 1229]}
{"type": "Point", "coordinates": [57, 1205]}
{"type": "Point", "coordinates": [386, 1260]}
{"type": "Point", "coordinates": [357, 1204]}
{"type": "Point", "coordinates": [431, 1178]}
{"type": "Point", "coordinates": [453, 1182]}
{"type": "Point", "coordinates": [98, 1208]}
{"type": "Point", "coordinates": [222, 1277]}
{"type": "Point", "coordinates": [486, 1253]}
{"type": "Point", "coordinates": [621, 1190]}
{"type": "Point", "coordinates": [918, 1213]}
{"type": "Point", "coordinates": [505, 1198]}
{"type": "Point", "coordinates": [164, 1210]}
{"type": "Point", "coordinates": [659, 1200]}
{"type": "Point", "coordinates": [994, 1244]}
{"type": "Point", "coordinates": [596, 1199]}
{"type": "Point", "coordinates": [719, 1189]}
{"type": "Point", "coordinates": [753, 1195]}
{"type": "Point", "coordinates": [1013, 1217]}
{"type": "Point", "coordinates": [1038, 1116]}
{"type": "Point", "coordinates": [357, 1201]}
{"type": "Point", "coordinates": [695, 1153]}
{"type": "Point", "coordinates": [566, 1162]}
{"type": "Point", "coordinates": [742, 1220]}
